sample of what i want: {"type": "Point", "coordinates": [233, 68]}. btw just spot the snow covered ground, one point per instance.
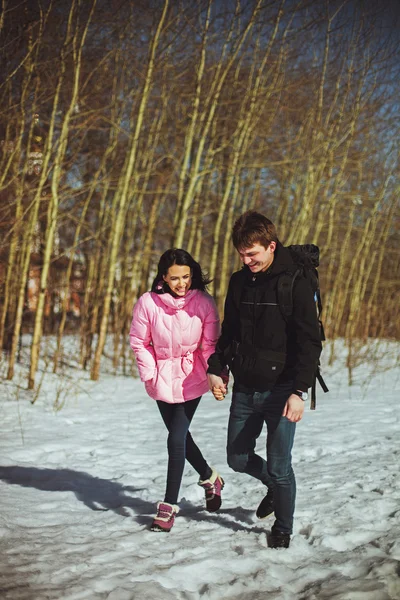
{"type": "Point", "coordinates": [78, 489]}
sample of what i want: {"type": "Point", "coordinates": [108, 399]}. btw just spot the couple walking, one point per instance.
{"type": "Point", "coordinates": [181, 353]}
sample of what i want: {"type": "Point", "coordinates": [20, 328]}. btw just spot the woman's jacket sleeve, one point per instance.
{"type": "Point", "coordinates": [141, 342]}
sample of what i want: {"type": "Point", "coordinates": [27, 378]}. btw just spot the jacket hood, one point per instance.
{"type": "Point", "coordinates": [283, 260]}
{"type": "Point", "coordinates": [176, 303]}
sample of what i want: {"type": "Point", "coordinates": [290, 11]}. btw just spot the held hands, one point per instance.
{"type": "Point", "coordinates": [294, 408]}
{"type": "Point", "coordinates": [217, 386]}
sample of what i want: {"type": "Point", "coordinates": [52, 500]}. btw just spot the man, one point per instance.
{"type": "Point", "coordinates": [273, 361]}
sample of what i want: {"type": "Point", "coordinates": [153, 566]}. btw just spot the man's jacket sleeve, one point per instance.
{"type": "Point", "coordinates": [211, 330]}
{"type": "Point", "coordinates": [307, 335]}
{"type": "Point", "coordinates": [217, 361]}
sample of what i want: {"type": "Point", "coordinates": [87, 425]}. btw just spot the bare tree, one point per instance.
{"type": "Point", "coordinates": [162, 124]}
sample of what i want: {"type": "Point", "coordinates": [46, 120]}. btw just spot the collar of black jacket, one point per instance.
{"type": "Point", "coordinates": [283, 260]}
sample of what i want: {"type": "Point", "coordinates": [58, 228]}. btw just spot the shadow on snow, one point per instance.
{"type": "Point", "coordinates": [103, 494]}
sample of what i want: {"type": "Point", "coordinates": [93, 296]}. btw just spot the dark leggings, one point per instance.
{"type": "Point", "coordinates": [177, 418]}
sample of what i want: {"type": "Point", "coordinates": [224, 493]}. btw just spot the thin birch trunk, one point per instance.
{"type": "Point", "coordinates": [71, 38]}
{"type": "Point", "coordinates": [205, 123]}
{"type": "Point", "coordinates": [122, 197]}
{"type": "Point", "coordinates": [109, 151]}
{"type": "Point", "coordinates": [11, 290]}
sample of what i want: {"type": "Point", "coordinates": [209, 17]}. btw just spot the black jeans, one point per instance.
{"type": "Point", "coordinates": [177, 418]}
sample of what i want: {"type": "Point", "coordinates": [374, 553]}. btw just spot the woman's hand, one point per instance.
{"type": "Point", "coordinates": [217, 386]}
{"type": "Point", "coordinates": [218, 393]}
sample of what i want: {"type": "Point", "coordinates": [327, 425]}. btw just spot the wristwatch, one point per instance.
{"type": "Point", "coordinates": [302, 395]}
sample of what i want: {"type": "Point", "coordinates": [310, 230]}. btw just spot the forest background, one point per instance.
{"type": "Point", "coordinates": [130, 127]}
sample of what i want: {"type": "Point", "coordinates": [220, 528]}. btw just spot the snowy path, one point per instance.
{"type": "Point", "coordinates": [78, 490]}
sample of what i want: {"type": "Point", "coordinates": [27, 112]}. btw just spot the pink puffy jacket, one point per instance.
{"type": "Point", "coordinates": [172, 339]}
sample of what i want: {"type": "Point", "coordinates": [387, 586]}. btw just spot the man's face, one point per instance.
{"type": "Point", "coordinates": [257, 258]}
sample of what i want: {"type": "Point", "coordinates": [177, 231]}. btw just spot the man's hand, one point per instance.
{"type": "Point", "coordinates": [217, 386]}
{"type": "Point", "coordinates": [294, 408]}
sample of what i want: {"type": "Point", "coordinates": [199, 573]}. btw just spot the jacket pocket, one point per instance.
{"type": "Point", "coordinates": [150, 384]}
{"type": "Point", "coordinates": [257, 366]}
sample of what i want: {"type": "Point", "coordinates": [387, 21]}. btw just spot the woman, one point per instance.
{"type": "Point", "coordinates": [174, 330]}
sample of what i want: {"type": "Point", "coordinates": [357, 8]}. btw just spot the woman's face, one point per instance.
{"type": "Point", "coordinates": [179, 279]}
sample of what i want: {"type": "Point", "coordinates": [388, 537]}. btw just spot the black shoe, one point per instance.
{"type": "Point", "coordinates": [266, 506]}
{"type": "Point", "coordinates": [278, 539]}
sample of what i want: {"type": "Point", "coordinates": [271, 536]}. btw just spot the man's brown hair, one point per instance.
{"type": "Point", "coordinates": [253, 228]}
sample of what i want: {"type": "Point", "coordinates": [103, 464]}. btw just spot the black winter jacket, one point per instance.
{"type": "Point", "coordinates": [258, 344]}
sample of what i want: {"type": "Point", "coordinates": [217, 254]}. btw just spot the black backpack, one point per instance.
{"type": "Point", "coordinates": [306, 259]}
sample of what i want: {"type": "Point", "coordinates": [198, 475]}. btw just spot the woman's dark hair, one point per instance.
{"type": "Point", "coordinates": [176, 256]}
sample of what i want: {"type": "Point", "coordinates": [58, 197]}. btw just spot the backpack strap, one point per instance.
{"type": "Point", "coordinates": [313, 388]}
{"type": "Point", "coordinates": [285, 292]}
{"type": "Point", "coordinates": [317, 298]}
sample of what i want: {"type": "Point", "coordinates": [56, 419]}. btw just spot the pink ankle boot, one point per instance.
{"type": "Point", "coordinates": [213, 488]}
{"type": "Point", "coordinates": [165, 517]}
